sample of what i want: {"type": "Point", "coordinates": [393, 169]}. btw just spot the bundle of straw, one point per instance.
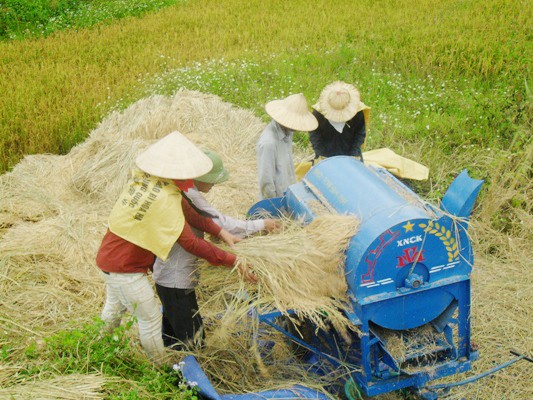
{"type": "Point", "coordinates": [67, 387]}
{"type": "Point", "coordinates": [300, 268]}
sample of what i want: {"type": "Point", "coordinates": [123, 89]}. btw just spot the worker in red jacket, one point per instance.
{"type": "Point", "coordinates": [148, 218]}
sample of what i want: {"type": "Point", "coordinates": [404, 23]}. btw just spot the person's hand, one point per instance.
{"type": "Point", "coordinates": [229, 238]}
{"type": "Point", "coordinates": [245, 270]}
{"type": "Point", "coordinates": [272, 224]}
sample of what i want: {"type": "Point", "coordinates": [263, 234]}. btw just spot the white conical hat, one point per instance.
{"type": "Point", "coordinates": [292, 112]}
{"type": "Point", "coordinates": [174, 157]}
{"type": "Point", "coordinates": [339, 101]}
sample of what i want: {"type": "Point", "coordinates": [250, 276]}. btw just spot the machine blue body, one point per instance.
{"type": "Point", "coordinates": [407, 267]}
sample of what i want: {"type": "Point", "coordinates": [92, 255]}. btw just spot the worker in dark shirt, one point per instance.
{"type": "Point", "coordinates": [342, 122]}
{"type": "Point", "coordinates": [149, 217]}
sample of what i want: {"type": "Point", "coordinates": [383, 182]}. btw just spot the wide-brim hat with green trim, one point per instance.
{"type": "Point", "coordinates": [218, 173]}
{"type": "Point", "coordinates": [339, 102]}
{"type": "Point", "coordinates": [292, 112]}
{"type": "Point", "coordinates": [174, 157]}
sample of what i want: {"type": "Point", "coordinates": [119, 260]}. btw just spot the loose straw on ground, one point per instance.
{"type": "Point", "coordinates": [67, 387]}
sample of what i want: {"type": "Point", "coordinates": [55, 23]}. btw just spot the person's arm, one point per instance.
{"type": "Point", "coordinates": [214, 255]}
{"type": "Point", "coordinates": [316, 138]}
{"type": "Point", "coordinates": [266, 168]}
{"type": "Point", "coordinates": [316, 143]}
{"type": "Point", "coordinates": [359, 133]}
{"type": "Point", "coordinates": [203, 249]}
{"type": "Point", "coordinates": [237, 227]}
{"type": "Point", "coordinates": [198, 221]}
{"type": "Point", "coordinates": [206, 224]}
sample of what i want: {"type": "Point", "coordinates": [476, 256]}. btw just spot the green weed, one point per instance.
{"type": "Point", "coordinates": [22, 19]}
{"type": "Point", "coordinates": [115, 355]}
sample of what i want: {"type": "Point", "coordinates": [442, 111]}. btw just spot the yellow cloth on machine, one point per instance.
{"type": "Point", "coordinates": [301, 169]}
{"type": "Point", "coordinates": [397, 165]}
{"type": "Point", "coordinates": [148, 213]}
{"type": "Point", "coordinates": [384, 158]}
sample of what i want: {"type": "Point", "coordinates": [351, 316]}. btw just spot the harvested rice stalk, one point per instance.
{"type": "Point", "coordinates": [68, 387]}
{"type": "Point", "coordinates": [405, 344]}
{"type": "Point", "coordinates": [241, 363]}
{"type": "Point", "coordinates": [299, 269]}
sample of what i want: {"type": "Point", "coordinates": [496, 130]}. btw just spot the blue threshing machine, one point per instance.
{"type": "Point", "coordinates": [408, 273]}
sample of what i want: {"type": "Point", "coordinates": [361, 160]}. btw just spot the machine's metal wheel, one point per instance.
{"type": "Point", "coordinates": [353, 392]}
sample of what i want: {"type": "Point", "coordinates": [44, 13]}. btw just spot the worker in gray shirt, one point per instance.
{"type": "Point", "coordinates": [176, 278]}
{"type": "Point", "coordinates": [275, 166]}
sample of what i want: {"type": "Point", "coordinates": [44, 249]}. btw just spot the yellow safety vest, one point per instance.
{"type": "Point", "coordinates": [148, 213]}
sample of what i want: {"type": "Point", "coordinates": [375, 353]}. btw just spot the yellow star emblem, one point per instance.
{"type": "Point", "coordinates": [408, 226]}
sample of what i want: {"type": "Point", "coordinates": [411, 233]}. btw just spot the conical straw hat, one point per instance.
{"type": "Point", "coordinates": [292, 112]}
{"type": "Point", "coordinates": [218, 173]}
{"type": "Point", "coordinates": [339, 101]}
{"type": "Point", "coordinates": [174, 157]}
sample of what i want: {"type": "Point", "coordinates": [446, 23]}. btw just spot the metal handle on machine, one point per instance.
{"type": "Point", "coordinates": [482, 375]}
{"type": "Point", "coordinates": [521, 355]}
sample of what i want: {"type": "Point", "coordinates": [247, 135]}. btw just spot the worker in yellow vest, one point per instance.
{"type": "Point", "coordinates": [147, 219]}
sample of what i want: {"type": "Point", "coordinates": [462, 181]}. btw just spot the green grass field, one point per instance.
{"type": "Point", "coordinates": [448, 83]}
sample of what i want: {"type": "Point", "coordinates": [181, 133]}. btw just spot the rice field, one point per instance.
{"type": "Point", "coordinates": [448, 84]}
{"type": "Point", "coordinates": [56, 89]}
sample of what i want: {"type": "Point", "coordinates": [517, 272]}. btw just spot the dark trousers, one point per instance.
{"type": "Point", "coordinates": [182, 323]}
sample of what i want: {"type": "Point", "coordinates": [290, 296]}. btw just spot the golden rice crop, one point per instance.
{"type": "Point", "coordinates": [56, 89]}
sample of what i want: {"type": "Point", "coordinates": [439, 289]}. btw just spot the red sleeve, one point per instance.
{"type": "Point", "coordinates": [120, 256]}
{"type": "Point", "coordinates": [199, 221]}
{"type": "Point", "coordinates": [200, 248]}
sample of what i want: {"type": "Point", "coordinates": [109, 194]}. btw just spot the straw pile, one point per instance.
{"type": "Point", "coordinates": [53, 209]}
{"type": "Point", "coordinates": [53, 212]}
